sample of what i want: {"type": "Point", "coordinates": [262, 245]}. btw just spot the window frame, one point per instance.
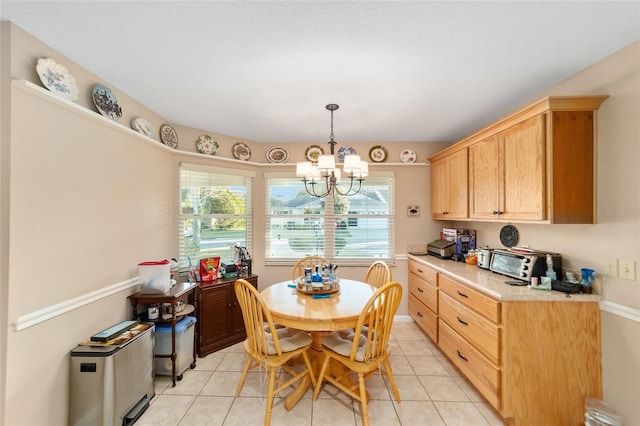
{"type": "Point", "coordinates": [247, 216]}
{"type": "Point", "coordinates": [328, 217]}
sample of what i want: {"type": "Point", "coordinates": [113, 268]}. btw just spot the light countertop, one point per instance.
{"type": "Point", "coordinates": [493, 284]}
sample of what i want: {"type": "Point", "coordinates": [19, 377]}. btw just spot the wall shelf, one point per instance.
{"type": "Point", "coordinates": [48, 96]}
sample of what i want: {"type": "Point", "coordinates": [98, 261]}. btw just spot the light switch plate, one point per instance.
{"type": "Point", "coordinates": [413, 211]}
{"type": "Point", "coordinates": [627, 269]}
{"type": "Point", "coordinates": [611, 266]}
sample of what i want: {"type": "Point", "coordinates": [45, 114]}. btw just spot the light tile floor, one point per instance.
{"type": "Point", "coordinates": [431, 389]}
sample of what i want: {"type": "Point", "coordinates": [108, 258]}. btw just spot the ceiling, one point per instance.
{"type": "Point", "coordinates": [263, 71]}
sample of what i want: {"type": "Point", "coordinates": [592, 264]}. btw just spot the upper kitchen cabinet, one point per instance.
{"type": "Point", "coordinates": [507, 172]}
{"type": "Point", "coordinates": [536, 165]}
{"type": "Point", "coordinates": [449, 186]}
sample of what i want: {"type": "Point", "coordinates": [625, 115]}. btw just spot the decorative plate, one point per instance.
{"type": "Point", "coordinates": [277, 155]}
{"type": "Point", "coordinates": [509, 236]}
{"type": "Point", "coordinates": [241, 151]}
{"type": "Point", "coordinates": [408, 156]}
{"type": "Point", "coordinates": [168, 136]}
{"type": "Point", "coordinates": [57, 79]}
{"type": "Point", "coordinates": [207, 145]}
{"type": "Point", "coordinates": [141, 125]}
{"type": "Point", "coordinates": [345, 150]}
{"type": "Point", "coordinates": [106, 102]}
{"type": "Point", "coordinates": [378, 154]}
{"type": "Point", "coordinates": [313, 152]}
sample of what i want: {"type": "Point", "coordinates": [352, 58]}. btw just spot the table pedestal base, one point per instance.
{"type": "Point", "coordinates": [316, 357]}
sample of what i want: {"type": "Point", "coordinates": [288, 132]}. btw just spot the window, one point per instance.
{"type": "Point", "coordinates": [215, 212]}
{"type": "Point", "coordinates": [353, 229]}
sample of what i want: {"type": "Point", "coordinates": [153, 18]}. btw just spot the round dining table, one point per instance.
{"type": "Point", "coordinates": [319, 316]}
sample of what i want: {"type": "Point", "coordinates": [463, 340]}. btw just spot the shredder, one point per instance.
{"type": "Point", "coordinates": [112, 384]}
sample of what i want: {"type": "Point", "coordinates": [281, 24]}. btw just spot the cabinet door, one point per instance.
{"type": "Point", "coordinates": [458, 185]}
{"type": "Point", "coordinates": [485, 177]}
{"type": "Point", "coordinates": [449, 186]}
{"type": "Point", "coordinates": [523, 153]}
{"type": "Point", "coordinates": [439, 189]}
{"type": "Point", "coordinates": [214, 321]}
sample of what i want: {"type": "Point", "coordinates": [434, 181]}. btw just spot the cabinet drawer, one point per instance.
{"type": "Point", "coordinates": [484, 334]}
{"type": "Point", "coordinates": [423, 291]}
{"type": "Point", "coordinates": [423, 272]}
{"type": "Point", "coordinates": [484, 375]}
{"type": "Point", "coordinates": [477, 301]}
{"type": "Point", "coordinates": [425, 317]}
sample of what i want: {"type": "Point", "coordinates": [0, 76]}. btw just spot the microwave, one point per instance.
{"type": "Point", "coordinates": [524, 266]}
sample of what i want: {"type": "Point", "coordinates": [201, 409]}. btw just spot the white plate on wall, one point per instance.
{"type": "Point", "coordinates": [168, 136]}
{"type": "Point", "coordinates": [57, 79]}
{"type": "Point", "coordinates": [241, 151]}
{"type": "Point", "coordinates": [141, 125]}
{"type": "Point", "coordinates": [277, 155]}
{"type": "Point", "coordinates": [313, 152]}
{"type": "Point", "coordinates": [408, 156]}
{"type": "Point", "coordinates": [207, 145]}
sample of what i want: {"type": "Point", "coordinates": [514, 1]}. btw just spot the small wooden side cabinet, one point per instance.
{"type": "Point", "coordinates": [220, 322]}
{"type": "Point", "coordinates": [181, 291]}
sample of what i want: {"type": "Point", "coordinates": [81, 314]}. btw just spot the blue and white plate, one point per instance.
{"type": "Point", "coordinates": [345, 150]}
{"type": "Point", "coordinates": [57, 79]}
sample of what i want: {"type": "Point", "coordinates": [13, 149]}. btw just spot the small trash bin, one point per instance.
{"type": "Point", "coordinates": [184, 347]}
{"type": "Point", "coordinates": [599, 413]}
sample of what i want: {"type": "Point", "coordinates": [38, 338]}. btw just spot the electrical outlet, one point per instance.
{"type": "Point", "coordinates": [611, 266]}
{"type": "Point", "coordinates": [627, 269]}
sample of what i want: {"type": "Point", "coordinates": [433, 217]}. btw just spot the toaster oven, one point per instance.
{"type": "Point", "coordinates": [524, 266]}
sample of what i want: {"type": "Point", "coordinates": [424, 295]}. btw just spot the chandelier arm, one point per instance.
{"type": "Point", "coordinates": [313, 189]}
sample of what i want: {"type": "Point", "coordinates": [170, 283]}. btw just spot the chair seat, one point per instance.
{"type": "Point", "coordinates": [290, 339]}
{"type": "Point", "coordinates": [342, 345]}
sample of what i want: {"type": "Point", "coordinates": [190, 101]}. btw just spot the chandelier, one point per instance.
{"type": "Point", "coordinates": [325, 170]}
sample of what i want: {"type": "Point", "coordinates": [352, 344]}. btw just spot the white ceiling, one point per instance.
{"type": "Point", "coordinates": [264, 71]}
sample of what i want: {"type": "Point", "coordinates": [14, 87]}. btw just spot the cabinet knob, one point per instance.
{"type": "Point", "coordinates": [445, 212]}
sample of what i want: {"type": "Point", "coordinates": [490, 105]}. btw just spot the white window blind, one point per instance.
{"type": "Point", "coordinates": [215, 212]}
{"type": "Point", "coordinates": [349, 230]}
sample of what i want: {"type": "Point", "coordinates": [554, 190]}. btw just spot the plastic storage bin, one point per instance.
{"type": "Point", "coordinates": [155, 277]}
{"type": "Point", "coordinates": [184, 347]}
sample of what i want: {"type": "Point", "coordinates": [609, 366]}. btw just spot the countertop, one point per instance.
{"type": "Point", "coordinates": [493, 284]}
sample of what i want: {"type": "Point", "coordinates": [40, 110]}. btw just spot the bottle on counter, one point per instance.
{"type": "Point", "coordinates": [317, 278]}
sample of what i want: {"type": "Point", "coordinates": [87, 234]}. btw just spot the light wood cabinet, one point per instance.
{"type": "Point", "coordinates": [507, 173]}
{"type": "Point", "coordinates": [515, 351]}
{"type": "Point", "coordinates": [449, 187]}
{"type": "Point", "coordinates": [423, 298]}
{"type": "Point", "coordinates": [534, 165]}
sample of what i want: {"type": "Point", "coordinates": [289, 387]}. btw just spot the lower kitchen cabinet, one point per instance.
{"type": "Point", "coordinates": [535, 360]}
{"type": "Point", "coordinates": [220, 322]}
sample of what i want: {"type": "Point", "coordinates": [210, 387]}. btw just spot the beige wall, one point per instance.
{"type": "Point", "coordinates": [130, 216]}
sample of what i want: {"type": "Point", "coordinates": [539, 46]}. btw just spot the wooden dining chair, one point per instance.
{"type": "Point", "coordinates": [307, 262]}
{"type": "Point", "coordinates": [378, 274]}
{"type": "Point", "coordinates": [366, 354]}
{"type": "Point", "coordinates": [269, 347]}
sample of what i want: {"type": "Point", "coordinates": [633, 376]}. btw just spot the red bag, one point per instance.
{"type": "Point", "coordinates": [209, 268]}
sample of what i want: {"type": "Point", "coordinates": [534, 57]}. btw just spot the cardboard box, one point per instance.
{"type": "Point", "coordinates": [465, 239]}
